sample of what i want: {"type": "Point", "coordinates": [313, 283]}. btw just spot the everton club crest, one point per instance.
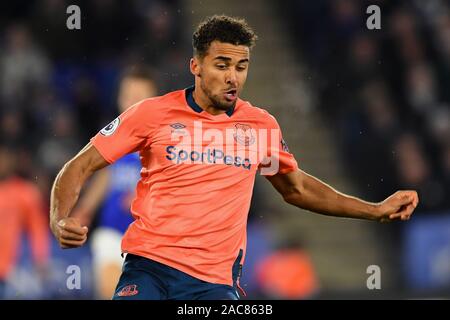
{"type": "Point", "coordinates": [244, 134]}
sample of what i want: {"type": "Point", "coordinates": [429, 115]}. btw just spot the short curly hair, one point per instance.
{"type": "Point", "coordinates": [224, 29]}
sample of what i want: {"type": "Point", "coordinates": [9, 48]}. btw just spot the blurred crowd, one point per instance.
{"type": "Point", "coordinates": [384, 92]}
{"type": "Point", "coordinates": [58, 87]}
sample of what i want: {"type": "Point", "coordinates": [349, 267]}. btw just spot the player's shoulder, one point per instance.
{"type": "Point", "coordinates": [257, 113]}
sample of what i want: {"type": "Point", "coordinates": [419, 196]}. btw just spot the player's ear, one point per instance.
{"type": "Point", "coordinates": [195, 66]}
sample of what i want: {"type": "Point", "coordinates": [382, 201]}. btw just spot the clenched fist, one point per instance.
{"type": "Point", "coordinates": [400, 205]}
{"type": "Point", "coordinates": [70, 233]}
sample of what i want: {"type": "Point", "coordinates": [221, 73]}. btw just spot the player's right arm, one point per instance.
{"type": "Point", "coordinates": [130, 132]}
{"type": "Point", "coordinates": [67, 186]}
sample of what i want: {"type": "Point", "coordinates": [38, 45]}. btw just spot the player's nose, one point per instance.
{"type": "Point", "coordinates": [231, 78]}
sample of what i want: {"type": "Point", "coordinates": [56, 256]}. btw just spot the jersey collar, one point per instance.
{"type": "Point", "coordinates": [191, 102]}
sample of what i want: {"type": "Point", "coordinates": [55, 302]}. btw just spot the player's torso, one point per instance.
{"type": "Point", "coordinates": [195, 189]}
{"type": "Point", "coordinates": [199, 169]}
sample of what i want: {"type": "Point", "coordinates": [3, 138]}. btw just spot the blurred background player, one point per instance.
{"type": "Point", "coordinates": [21, 210]}
{"type": "Point", "coordinates": [299, 280]}
{"type": "Point", "coordinates": [112, 190]}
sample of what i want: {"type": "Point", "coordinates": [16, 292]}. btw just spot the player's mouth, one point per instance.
{"type": "Point", "coordinates": [231, 94]}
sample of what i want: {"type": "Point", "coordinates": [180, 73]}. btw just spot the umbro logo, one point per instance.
{"type": "Point", "coordinates": [178, 126]}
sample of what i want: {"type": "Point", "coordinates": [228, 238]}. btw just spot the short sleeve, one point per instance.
{"type": "Point", "coordinates": [129, 132]}
{"type": "Point", "coordinates": [278, 158]}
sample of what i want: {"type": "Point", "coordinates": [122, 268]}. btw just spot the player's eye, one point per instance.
{"type": "Point", "coordinates": [221, 66]}
{"type": "Point", "coordinates": [241, 68]}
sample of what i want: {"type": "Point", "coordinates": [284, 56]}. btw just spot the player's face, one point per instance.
{"type": "Point", "coordinates": [133, 90]}
{"type": "Point", "coordinates": [222, 73]}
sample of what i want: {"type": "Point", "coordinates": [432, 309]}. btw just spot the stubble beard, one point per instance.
{"type": "Point", "coordinates": [216, 101]}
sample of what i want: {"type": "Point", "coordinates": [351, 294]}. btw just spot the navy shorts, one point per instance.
{"type": "Point", "coordinates": [145, 279]}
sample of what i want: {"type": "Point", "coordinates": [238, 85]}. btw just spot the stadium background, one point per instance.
{"type": "Point", "coordinates": [365, 110]}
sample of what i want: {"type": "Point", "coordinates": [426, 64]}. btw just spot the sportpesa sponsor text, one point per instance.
{"type": "Point", "coordinates": [208, 156]}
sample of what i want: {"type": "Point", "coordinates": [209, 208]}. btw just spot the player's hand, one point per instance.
{"type": "Point", "coordinates": [398, 206]}
{"type": "Point", "coordinates": [70, 233]}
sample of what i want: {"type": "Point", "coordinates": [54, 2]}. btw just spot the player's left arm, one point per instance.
{"type": "Point", "coordinates": [307, 192]}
